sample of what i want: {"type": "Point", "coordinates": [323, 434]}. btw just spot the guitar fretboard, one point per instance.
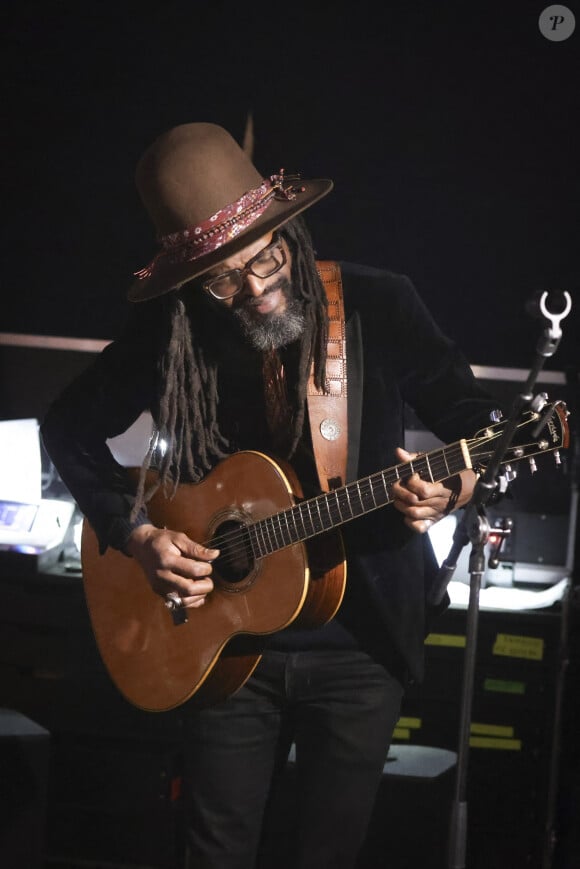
{"type": "Point", "coordinates": [331, 509]}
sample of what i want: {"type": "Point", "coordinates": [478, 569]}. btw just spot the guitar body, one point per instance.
{"type": "Point", "coordinates": [158, 664]}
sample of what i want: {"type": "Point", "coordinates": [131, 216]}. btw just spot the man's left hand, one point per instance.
{"type": "Point", "coordinates": [423, 503]}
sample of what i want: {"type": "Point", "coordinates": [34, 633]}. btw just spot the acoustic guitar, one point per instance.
{"type": "Point", "coordinates": [281, 562]}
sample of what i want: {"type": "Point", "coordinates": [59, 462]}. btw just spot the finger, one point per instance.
{"type": "Point", "coordinates": [191, 549]}
{"type": "Point", "coordinates": [194, 602]}
{"type": "Point", "coordinates": [404, 455]}
{"type": "Point", "coordinates": [420, 526]}
{"type": "Point", "coordinates": [403, 497]}
{"type": "Point", "coordinates": [199, 587]}
{"type": "Point", "coordinates": [195, 593]}
{"type": "Point", "coordinates": [434, 508]}
{"type": "Point", "coordinates": [413, 483]}
{"type": "Point", "coordinates": [190, 593]}
{"type": "Point", "coordinates": [426, 490]}
{"type": "Point", "coordinates": [431, 497]}
{"type": "Point", "coordinates": [186, 567]}
{"type": "Point", "coordinates": [421, 514]}
{"type": "Point", "coordinates": [179, 556]}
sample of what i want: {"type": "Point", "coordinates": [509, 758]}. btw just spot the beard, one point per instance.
{"type": "Point", "coordinates": [274, 330]}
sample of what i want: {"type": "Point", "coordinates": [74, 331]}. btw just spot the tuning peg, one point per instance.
{"type": "Point", "coordinates": [533, 466]}
{"type": "Point", "coordinates": [557, 458]}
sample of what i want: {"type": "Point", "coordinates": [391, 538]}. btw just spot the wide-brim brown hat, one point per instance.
{"type": "Point", "coordinates": [207, 201]}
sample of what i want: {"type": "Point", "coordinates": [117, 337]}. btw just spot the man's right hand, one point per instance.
{"type": "Point", "coordinates": [172, 561]}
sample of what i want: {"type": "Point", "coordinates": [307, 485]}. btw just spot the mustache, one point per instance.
{"type": "Point", "coordinates": [282, 283]}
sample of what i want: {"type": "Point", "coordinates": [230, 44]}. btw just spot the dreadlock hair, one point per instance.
{"type": "Point", "coordinates": [186, 438]}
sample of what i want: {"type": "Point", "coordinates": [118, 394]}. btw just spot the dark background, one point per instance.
{"type": "Point", "coordinates": [450, 130]}
{"type": "Point", "coordinates": [451, 133]}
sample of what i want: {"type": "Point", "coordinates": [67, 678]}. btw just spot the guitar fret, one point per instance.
{"type": "Point", "coordinates": [308, 510]}
{"type": "Point", "coordinates": [454, 459]}
{"type": "Point", "coordinates": [294, 512]}
{"type": "Point", "coordinates": [347, 493]}
{"type": "Point", "coordinates": [332, 518]}
{"type": "Point", "coordinates": [275, 528]}
{"type": "Point", "coordinates": [439, 465]}
{"type": "Point", "coordinates": [273, 539]}
{"type": "Point", "coordinates": [359, 496]}
{"type": "Point", "coordinates": [261, 529]}
{"type": "Point", "coordinates": [266, 534]}
{"type": "Point", "coordinates": [256, 548]}
{"type": "Point", "coordinates": [305, 506]}
{"type": "Point", "coordinates": [298, 522]}
{"type": "Point", "coordinates": [290, 536]}
{"type": "Point", "coordinates": [380, 489]}
{"type": "Point", "coordinates": [385, 485]}
{"type": "Point", "coordinates": [367, 497]}
{"type": "Point", "coordinates": [270, 533]}
{"type": "Point", "coordinates": [382, 482]}
{"type": "Point", "coordinates": [347, 501]}
{"type": "Point", "coordinates": [276, 531]}
{"type": "Point", "coordinates": [444, 457]}
{"type": "Point", "coordinates": [337, 499]}
{"type": "Point", "coordinates": [318, 515]}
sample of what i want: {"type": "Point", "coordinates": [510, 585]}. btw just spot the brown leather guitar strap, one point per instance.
{"type": "Point", "coordinates": [327, 411]}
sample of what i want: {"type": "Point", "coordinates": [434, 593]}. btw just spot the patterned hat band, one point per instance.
{"type": "Point", "coordinates": [189, 244]}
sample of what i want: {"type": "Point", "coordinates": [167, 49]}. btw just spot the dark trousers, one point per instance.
{"type": "Point", "coordinates": [339, 709]}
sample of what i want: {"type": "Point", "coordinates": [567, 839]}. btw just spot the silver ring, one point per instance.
{"type": "Point", "coordinates": [173, 601]}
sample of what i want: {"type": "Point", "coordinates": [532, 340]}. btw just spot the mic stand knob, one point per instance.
{"type": "Point", "coordinates": [497, 538]}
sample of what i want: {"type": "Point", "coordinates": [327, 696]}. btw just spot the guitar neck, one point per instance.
{"type": "Point", "coordinates": [335, 508]}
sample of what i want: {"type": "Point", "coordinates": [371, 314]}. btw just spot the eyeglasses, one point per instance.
{"type": "Point", "coordinates": [266, 263]}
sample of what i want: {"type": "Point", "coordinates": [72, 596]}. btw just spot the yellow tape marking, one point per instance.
{"type": "Point", "coordinates": [513, 646]}
{"type": "Point", "coordinates": [490, 742]}
{"type": "Point", "coordinates": [492, 729]}
{"type": "Point", "coordinates": [454, 640]}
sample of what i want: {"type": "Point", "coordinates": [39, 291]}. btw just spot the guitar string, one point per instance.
{"type": "Point", "coordinates": [238, 540]}
{"type": "Point", "coordinates": [335, 510]}
{"type": "Point", "coordinates": [241, 536]}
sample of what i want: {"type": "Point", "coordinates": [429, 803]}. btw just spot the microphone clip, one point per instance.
{"type": "Point", "coordinates": [555, 319]}
{"type": "Point", "coordinates": [550, 340]}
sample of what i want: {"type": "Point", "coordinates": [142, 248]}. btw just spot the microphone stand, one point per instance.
{"type": "Point", "coordinates": [474, 527]}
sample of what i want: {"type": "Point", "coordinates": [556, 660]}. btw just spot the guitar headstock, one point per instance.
{"type": "Point", "coordinates": [539, 432]}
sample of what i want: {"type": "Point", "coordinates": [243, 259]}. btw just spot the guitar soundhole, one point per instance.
{"type": "Point", "coordinates": [236, 561]}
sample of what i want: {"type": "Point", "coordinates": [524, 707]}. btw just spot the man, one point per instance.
{"type": "Point", "coordinates": [230, 319]}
